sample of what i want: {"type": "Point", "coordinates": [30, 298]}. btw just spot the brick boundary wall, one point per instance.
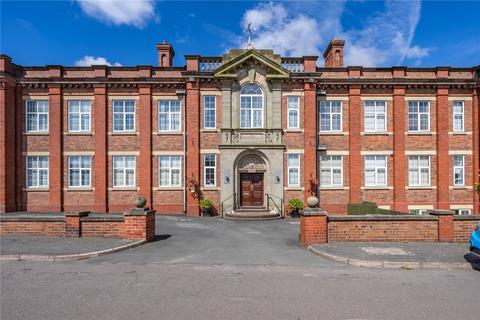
{"type": "Point", "coordinates": [438, 226]}
{"type": "Point", "coordinates": [135, 224]}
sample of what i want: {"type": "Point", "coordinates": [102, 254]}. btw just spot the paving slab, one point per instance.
{"type": "Point", "coordinates": [400, 254]}
{"type": "Point", "coordinates": [52, 246]}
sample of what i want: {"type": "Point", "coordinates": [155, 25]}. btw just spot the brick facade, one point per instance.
{"type": "Point", "coordinates": [189, 84]}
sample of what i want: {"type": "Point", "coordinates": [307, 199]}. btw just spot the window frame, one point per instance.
{"type": "Point", "coordinates": [419, 114]}
{"type": "Point", "coordinates": [419, 171]}
{"type": "Point", "coordinates": [170, 185]}
{"type": "Point", "coordinates": [331, 169]}
{"type": "Point", "coordinates": [124, 169]}
{"type": "Point", "coordinates": [297, 168]}
{"type": "Point", "coordinates": [330, 113]}
{"type": "Point", "coordinates": [376, 169]}
{"type": "Point", "coordinates": [80, 114]}
{"type": "Point", "coordinates": [295, 109]}
{"type": "Point", "coordinates": [27, 113]}
{"type": "Point", "coordinates": [124, 115]}
{"type": "Point", "coordinates": [170, 115]}
{"type": "Point", "coordinates": [375, 115]}
{"type": "Point", "coordinates": [457, 113]}
{"type": "Point", "coordinates": [209, 107]}
{"type": "Point", "coordinates": [250, 108]}
{"type": "Point", "coordinates": [205, 167]}
{"type": "Point", "coordinates": [459, 212]}
{"type": "Point", "coordinates": [457, 167]}
{"type": "Point", "coordinates": [37, 169]}
{"type": "Point", "coordinates": [81, 170]}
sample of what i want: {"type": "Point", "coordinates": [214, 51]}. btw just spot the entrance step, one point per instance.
{"type": "Point", "coordinates": [252, 214]}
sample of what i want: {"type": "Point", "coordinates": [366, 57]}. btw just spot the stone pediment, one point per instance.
{"type": "Point", "coordinates": [236, 60]}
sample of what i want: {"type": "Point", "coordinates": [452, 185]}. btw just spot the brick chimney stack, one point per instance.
{"type": "Point", "coordinates": [165, 54]}
{"type": "Point", "coordinates": [333, 55]}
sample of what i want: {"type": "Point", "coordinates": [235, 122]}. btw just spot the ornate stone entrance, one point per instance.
{"type": "Point", "coordinates": [251, 188]}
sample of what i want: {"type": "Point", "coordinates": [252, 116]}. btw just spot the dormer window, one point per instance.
{"type": "Point", "coordinates": [251, 106]}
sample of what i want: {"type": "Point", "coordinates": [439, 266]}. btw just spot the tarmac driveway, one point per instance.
{"type": "Point", "coordinates": [192, 240]}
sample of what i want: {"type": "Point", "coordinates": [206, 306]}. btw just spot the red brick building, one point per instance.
{"type": "Point", "coordinates": [245, 130]}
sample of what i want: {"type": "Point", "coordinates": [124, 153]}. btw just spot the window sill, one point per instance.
{"type": "Point", "coordinates": [78, 133]}
{"type": "Point", "coordinates": [43, 133]}
{"type": "Point", "coordinates": [460, 133]}
{"type": "Point", "coordinates": [36, 189]}
{"type": "Point", "coordinates": [377, 188]}
{"type": "Point", "coordinates": [413, 133]}
{"type": "Point", "coordinates": [212, 130]}
{"type": "Point", "coordinates": [168, 189]}
{"type": "Point", "coordinates": [333, 188]}
{"type": "Point", "coordinates": [169, 133]}
{"type": "Point", "coordinates": [292, 130]}
{"type": "Point", "coordinates": [323, 133]}
{"type": "Point", "coordinates": [123, 133]}
{"type": "Point", "coordinates": [377, 133]}
{"type": "Point", "coordinates": [421, 188]}
{"type": "Point", "coordinates": [78, 189]}
{"type": "Point", "coordinates": [460, 187]}
{"type": "Point", "coordinates": [293, 189]}
{"type": "Point", "coordinates": [123, 189]}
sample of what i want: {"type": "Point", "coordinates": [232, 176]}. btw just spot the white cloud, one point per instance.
{"type": "Point", "coordinates": [136, 13]}
{"type": "Point", "coordinates": [305, 28]}
{"type": "Point", "coordinates": [90, 61]}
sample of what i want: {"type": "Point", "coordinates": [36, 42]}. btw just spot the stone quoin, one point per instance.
{"type": "Point", "coordinates": [246, 130]}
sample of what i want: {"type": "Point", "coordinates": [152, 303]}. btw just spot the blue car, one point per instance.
{"type": "Point", "coordinates": [475, 241]}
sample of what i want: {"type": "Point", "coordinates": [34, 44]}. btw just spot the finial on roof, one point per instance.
{"type": "Point", "coordinates": [250, 30]}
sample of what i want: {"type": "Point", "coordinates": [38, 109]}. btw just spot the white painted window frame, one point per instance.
{"type": "Point", "coordinates": [331, 169]}
{"type": "Point", "coordinates": [376, 169]}
{"type": "Point", "coordinates": [124, 169]}
{"type": "Point", "coordinates": [124, 115]}
{"type": "Point", "coordinates": [170, 115]}
{"type": "Point", "coordinates": [419, 171]}
{"type": "Point", "coordinates": [170, 168]}
{"type": "Point", "coordinates": [250, 109]}
{"type": "Point", "coordinates": [205, 167]}
{"type": "Point", "coordinates": [207, 106]}
{"type": "Point", "coordinates": [419, 114]}
{"type": "Point", "coordinates": [293, 107]}
{"type": "Point", "coordinates": [80, 113]}
{"type": "Point", "coordinates": [461, 114]}
{"type": "Point", "coordinates": [376, 114]}
{"type": "Point", "coordinates": [37, 169]}
{"type": "Point", "coordinates": [27, 114]}
{"type": "Point", "coordinates": [462, 167]}
{"type": "Point", "coordinates": [295, 168]}
{"type": "Point", "coordinates": [330, 113]}
{"type": "Point", "coordinates": [81, 170]}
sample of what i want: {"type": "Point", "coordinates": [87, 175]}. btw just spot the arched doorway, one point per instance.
{"type": "Point", "coordinates": [251, 178]}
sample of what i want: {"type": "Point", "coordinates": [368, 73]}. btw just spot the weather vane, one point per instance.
{"type": "Point", "coordinates": [250, 31]}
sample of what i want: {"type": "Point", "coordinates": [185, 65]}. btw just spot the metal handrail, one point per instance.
{"type": "Point", "coordinates": [228, 198]}
{"type": "Point", "coordinates": [271, 196]}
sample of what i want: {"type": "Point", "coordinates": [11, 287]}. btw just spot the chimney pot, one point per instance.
{"type": "Point", "coordinates": [333, 55]}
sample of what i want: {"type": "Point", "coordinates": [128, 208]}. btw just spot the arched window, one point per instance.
{"type": "Point", "coordinates": [251, 106]}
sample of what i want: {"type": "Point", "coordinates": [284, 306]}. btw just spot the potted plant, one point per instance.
{"type": "Point", "coordinates": [477, 188]}
{"type": "Point", "coordinates": [295, 205]}
{"type": "Point", "coordinates": [207, 207]}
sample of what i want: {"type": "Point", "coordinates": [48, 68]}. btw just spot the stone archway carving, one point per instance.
{"type": "Point", "coordinates": [252, 163]}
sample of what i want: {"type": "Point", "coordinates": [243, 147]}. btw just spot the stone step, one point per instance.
{"type": "Point", "coordinates": [252, 215]}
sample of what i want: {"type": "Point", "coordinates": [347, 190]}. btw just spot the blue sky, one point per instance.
{"type": "Point", "coordinates": [124, 32]}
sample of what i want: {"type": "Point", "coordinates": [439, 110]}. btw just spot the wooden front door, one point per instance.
{"type": "Point", "coordinates": [251, 189]}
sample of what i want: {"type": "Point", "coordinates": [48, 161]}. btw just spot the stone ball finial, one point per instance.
{"type": "Point", "coordinates": [140, 201]}
{"type": "Point", "coordinates": [312, 202]}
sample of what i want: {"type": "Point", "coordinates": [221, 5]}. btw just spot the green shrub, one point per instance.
{"type": "Point", "coordinates": [477, 188]}
{"type": "Point", "coordinates": [295, 203]}
{"type": "Point", "coordinates": [366, 207]}
{"type": "Point", "coordinates": [205, 204]}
